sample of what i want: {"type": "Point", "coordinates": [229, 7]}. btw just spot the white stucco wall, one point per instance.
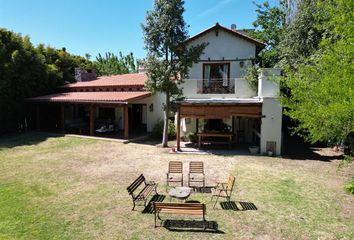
{"type": "Point", "coordinates": [222, 47]}
{"type": "Point", "coordinates": [267, 82]}
{"type": "Point", "coordinates": [271, 124]}
{"type": "Point", "coordinates": [157, 114]}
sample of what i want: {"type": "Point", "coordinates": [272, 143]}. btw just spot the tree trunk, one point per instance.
{"type": "Point", "coordinates": [165, 126]}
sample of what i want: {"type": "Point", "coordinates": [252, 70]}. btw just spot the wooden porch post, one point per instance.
{"type": "Point", "coordinates": [178, 133]}
{"type": "Point", "coordinates": [197, 125]}
{"type": "Point", "coordinates": [126, 121]}
{"type": "Point", "coordinates": [92, 119]}
{"type": "Point", "coordinates": [62, 117]}
{"type": "Point", "coordinates": [233, 123]}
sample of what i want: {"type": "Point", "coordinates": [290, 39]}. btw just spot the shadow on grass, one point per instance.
{"type": "Point", "coordinates": [192, 226]}
{"type": "Point", "coordinates": [244, 206]}
{"type": "Point", "coordinates": [25, 139]}
{"type": "Point", "coordinates": [206, 189]}
{"type": "Point", "coordinates": [149, 209]}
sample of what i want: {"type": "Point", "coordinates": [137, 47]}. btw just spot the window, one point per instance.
{"type": "Point", "coordinates": [216, 71]}
{"type": "Point", "coordinates": [216, 78]}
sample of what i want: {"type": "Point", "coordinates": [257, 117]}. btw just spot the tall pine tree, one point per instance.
{"type": "Point", "coordinates": [168, 57]}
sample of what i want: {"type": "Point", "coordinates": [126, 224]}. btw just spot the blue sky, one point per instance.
{"type": "Point", "coordinates": [99, 26]}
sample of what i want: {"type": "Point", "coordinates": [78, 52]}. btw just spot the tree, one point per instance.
{"type": "Point", "coordinates": [28, 71]}
{"type": "Point", "coordinates": [112, 64]}
{"type": "Point", "coordinates": [301, 38]}
{"type": "Point", "coordinates": [322, 87]}
{"type": "Point", "coordinates": [269, 26]}
{"type": "Point", "coordinates": [168, 57]}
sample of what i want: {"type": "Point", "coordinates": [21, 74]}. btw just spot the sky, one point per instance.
{"type": "Point", "coordinates": [99, 26]}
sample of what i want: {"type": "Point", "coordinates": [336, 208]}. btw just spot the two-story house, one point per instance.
{"type": "Point", "coordinates": [218, 103]}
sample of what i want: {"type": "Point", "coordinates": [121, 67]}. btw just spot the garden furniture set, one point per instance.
{"type": "Point", "coordinates": [175, 175]}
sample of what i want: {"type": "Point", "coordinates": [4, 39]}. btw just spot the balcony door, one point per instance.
{"type": "Point", "coordinates": [216, 78]}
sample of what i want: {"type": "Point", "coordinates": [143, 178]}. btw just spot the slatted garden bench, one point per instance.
{"type": "Point", "coordinates": [146, 188]}
{"type": "Point", "coordinates": [196, 209]}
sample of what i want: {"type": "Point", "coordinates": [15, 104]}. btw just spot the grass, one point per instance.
{"type": "Point", "coordinates": [54, 187]}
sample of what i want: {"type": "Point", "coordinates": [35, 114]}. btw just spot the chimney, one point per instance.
{"type": "Point", "coordinates": [233, 27]}
{"type": "Point", "coordinates": [141, 66]}
{"type": "Point", "coordinates": [82, 75]}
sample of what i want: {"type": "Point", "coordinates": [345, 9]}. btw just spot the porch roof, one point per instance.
{"type": "Point", "coordinates": [92, 97]}
{"type": "Point", "coordinates": [220, 101]}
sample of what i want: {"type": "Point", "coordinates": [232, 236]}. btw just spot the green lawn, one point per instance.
{"type": "Point", "coordinates": [72, 188]}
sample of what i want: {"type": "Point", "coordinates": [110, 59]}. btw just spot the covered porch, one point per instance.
{"type": "Point", "coordinates": [232, 124]}
{"type": "Point", "coordinates": [104, 114]}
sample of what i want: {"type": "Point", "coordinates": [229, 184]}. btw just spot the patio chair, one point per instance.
{"type": "Point", "coordinates": [196, 173]}
{"type": "Point", "coordinates": [223, 190]}
{"type": "Point", "coordinates": [175, 172]}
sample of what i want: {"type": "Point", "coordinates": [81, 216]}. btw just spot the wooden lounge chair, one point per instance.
{"type": "Point", "coordinates": [223, 190]}
{"type": "Point", "coordinates": [195, 209]}
{"type": "Point", "coordinates": [196, 173]}
{"type": "Point", "coordinates": [175, 172]}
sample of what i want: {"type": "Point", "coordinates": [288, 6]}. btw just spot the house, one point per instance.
{"type": "Point", "coordinates": [85, 106]}
{"type": "Point", "coordinates": [219, 102]}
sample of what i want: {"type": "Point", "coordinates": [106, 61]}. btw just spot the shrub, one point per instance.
{"type": "Point", "coordinates": [192, 137]}
{"type": "Point", "coordinates": [251, 76]}
{"type": "Point", "coordinates": [158, 129]}
{"type": "Point", "coordinates": [350, 186]}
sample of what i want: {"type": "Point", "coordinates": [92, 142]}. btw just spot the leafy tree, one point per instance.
{"type": "Point", "coordinates": [112, 64]}
{"type": "Point", "coordinates": [302, 37]}
{"type": "Point", "coordinates": [251, 76]}
{"type": "Point", "coordinates": [28, 71]}
{"type": "Point", "coordinates": [269, 25]}
{"type": "Point", "coordinates": [322, 87]}
{"type": "Point", "coordinates": [168, 57]}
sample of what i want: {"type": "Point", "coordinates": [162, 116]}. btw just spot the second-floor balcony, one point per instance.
{"type": "Point", "coordinates": [216, 86]}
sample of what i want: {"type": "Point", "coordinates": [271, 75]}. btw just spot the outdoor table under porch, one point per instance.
{"type": "Point", "coordinates": [216, 109]}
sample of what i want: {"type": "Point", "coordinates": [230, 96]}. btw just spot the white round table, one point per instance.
{"type": "Point", "coordinates": [181, 193]}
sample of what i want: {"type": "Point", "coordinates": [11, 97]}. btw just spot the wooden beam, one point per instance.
{"type": "Point", "coordinates": [178, 133]}
{"type": "Point", "coordinates": [197, 125]}
{"type": "Point", "coordinates": [62, 117]}
{"type": "Point", "coordinates": [126, 121]}
{"type": "Point", "coordinates": [233, 124]}
{"type": "Point", "coordinates": [92, 119]}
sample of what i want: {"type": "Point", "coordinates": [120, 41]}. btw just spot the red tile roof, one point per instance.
{"type": "Point", "coordinates": [235, 33]}
{"type": "Point", "coordinates": [92, 97]}
{"type": "Point", "coordinates": [122, 80]}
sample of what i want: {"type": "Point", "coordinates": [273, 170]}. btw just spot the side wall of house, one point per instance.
{"type": "Point", "coordinates": [222, 48]}
{"type": "Point", "coordinates": [271, 127]}
{"type": "Point", "coordinates": [154, 109]}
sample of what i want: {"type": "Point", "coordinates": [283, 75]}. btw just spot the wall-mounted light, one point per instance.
{"type": "Point", "coordinates": [208, 58]}
{"type": "Point", "coordinates": [151, 107]}
{"type": "Point", "coordinates": [242, 63]}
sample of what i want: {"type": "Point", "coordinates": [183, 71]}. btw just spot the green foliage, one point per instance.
{"type": "Point", "coordinates": [269, 26]}
{"type": "Point", "coordinates": [322, 88]}
{"type": "Point", "coordinates": [157, 130]}
{"type": "Point", "coordinates": [251, 76]}
{"type": "Point", "coordinates": [349, 187]}
{"type": "Point", "coordinates": [192, 137]}
{"type": "Point", "coordinates": [28, 71]}
{"type": "Point", "coordinates": [168, 57]}
{"type": "Point", "coordinates": [302, 37]}
{"type": "Point", "coordinates": [111, 64]}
